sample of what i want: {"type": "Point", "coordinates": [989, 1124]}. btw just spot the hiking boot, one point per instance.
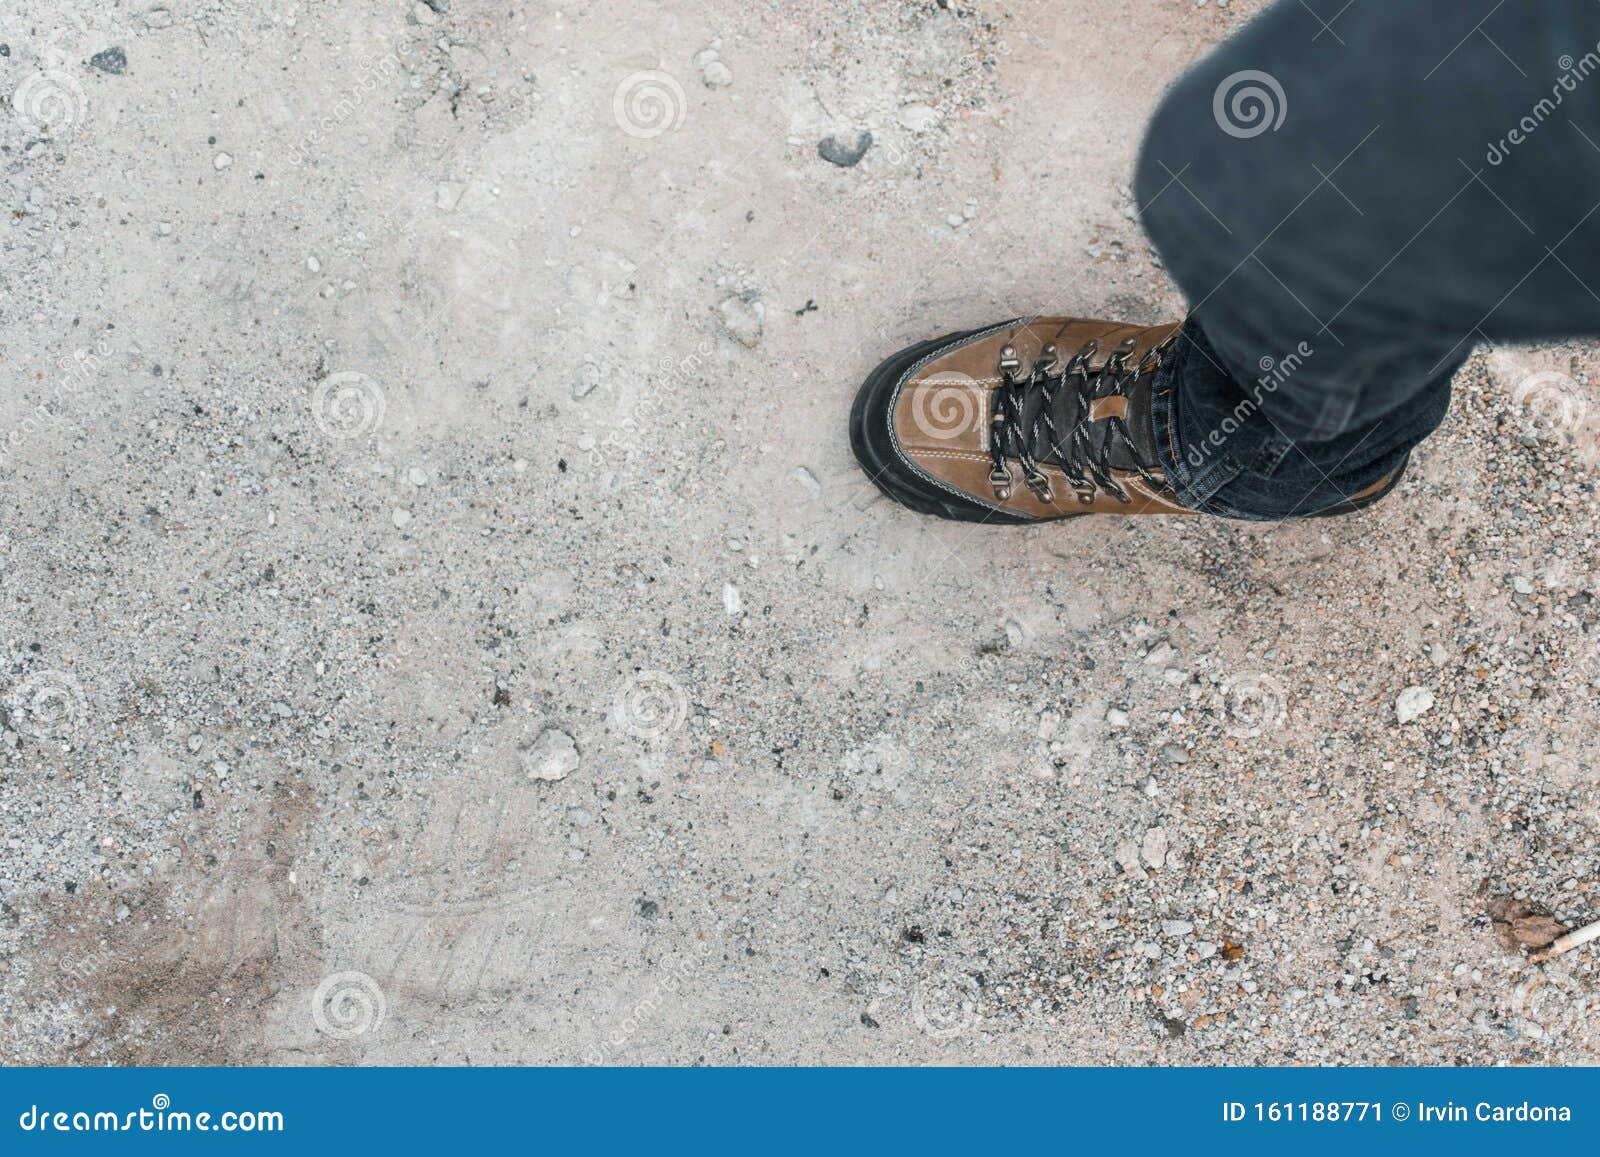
{"type": "Point", "coordinates": [1027, 421]}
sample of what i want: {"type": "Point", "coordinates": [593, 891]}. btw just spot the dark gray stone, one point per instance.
{"type": "Point", "coordinates": [836, 152]}
{"type": "Point", "coordinates": [112, 60]}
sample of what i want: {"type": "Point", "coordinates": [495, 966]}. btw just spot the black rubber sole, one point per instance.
{"type": "Point", "coordinates": [870, 438]}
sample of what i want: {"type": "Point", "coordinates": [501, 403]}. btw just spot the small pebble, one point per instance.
{"type": "Point", "coordinates": [844, 154]}
{"type": "Point", "coordinates": [112, 60]}
{"type": "Point", "coordinates": [552, 756]}
{"type": "Point", "coordinates": [1154, 850]}
{"type": "Point", "coordinates": [588, 378]}
{"type": "Point", "coordinates": [919, 118]}
{"type": "Point", "coordinates": [742, 316]}
{"type": "Point", "coordinates": [1413, 703]}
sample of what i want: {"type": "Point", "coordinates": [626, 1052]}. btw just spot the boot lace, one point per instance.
{"type": "Point", "coordinates": [1086, 465]}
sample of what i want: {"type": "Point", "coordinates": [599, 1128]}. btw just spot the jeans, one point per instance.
{"type": "Point", "coordinates": [1351, 207]}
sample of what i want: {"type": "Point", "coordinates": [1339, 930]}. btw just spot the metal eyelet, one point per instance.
{"type": "Point", "coordinates": [1118, 361]}
{"type": "Point", "coordinates": [1001, 481]}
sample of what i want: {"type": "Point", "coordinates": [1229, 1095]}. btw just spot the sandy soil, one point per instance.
{"type": "Point", "coordinates": [443, 622]}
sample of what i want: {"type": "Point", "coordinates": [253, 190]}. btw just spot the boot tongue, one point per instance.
{"type": "Point", "coordinates": [1064, 414]}
{"type": "Point", "coordinates": [1139, 419]}
{"type": "Point", "coordinates": [1114, 450]}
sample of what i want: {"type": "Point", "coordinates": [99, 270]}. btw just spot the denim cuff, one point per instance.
{"type": "Point", "coordinates": [1201, 439]}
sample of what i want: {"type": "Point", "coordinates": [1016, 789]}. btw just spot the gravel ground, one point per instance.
{"type": "Point", "coordinates": [443, 622]}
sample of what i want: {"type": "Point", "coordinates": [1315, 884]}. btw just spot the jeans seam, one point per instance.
{"type": "Point", "coordinates": [1194, 490]}
{"type": "Point", "coordinates": [1271, 457]}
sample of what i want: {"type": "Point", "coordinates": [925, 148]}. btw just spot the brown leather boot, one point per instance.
{"type": "Point", "coordinates": [1026, 421]}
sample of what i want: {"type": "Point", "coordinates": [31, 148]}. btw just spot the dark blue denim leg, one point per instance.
{"type": "Point", "coordinates": [1353, 197]}
{"type": "Point", "coordinates": [1223, 456]}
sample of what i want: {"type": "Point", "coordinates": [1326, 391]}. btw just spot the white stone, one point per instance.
{"type": "Point", "coordinates": [1155, 847]}
{"type": "Point", "coordinates": [552, 756]}
{"type": "Point", "coordinates": [1160, 655]}
{"type": "Point", "coordinates": [1412, 703]}
{"type": "Point", "coordinates": [743, 319]}
{"type": "Point", "coordinates": [919, 118]}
